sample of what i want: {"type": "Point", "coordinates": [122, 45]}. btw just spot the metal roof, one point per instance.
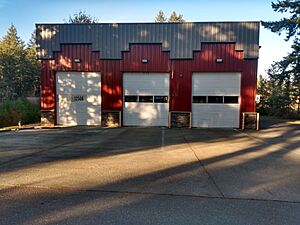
{"type": "Point", "coordinates": [181, 39]}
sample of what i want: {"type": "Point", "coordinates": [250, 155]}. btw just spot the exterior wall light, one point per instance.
{"type": "Point", "coordinates": [219, 60]}
{"type": "Point", "coordinates": [77, 60]}
{"type": "Point", "coordinates": [144, 60]}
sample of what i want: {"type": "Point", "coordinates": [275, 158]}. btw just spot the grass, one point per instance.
{"type": "Point", "coordinates": [8, 128]}
{"type": "Point", "coordinates": [297, 122]}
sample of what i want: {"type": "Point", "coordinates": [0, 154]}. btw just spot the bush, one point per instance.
{"type": "Point", "coordinates": [11, 112]}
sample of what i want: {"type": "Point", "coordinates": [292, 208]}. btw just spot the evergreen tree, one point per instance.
{"type": "Point", "coordinates": [160, 18]}
{"type": "Point", "coordinates": [175, 18]}
{"type": "Point", "coordinates": [19, 70]}
{"type": "Point", "coordinates": [12, 56]}
{"type": "Point", "coordinates": [33, 68]}
{"type": "Point", "coordinates": [292, 24]}
{"type": "Point", "coordinates": [285, 75]}
{"type": "Point", "coordinates": [82, 17]}
{"type": "Point", "coordinates": [294, 63]}
{"type": "Point", "coordinates": [280, 87]}
{"type": "Point", "coordinates": [263, 89]}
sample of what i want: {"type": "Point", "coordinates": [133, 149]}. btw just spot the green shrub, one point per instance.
{"type": "Point", "coordinates": [11, 112]}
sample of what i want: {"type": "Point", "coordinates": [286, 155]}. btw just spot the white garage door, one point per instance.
{"type": "Point", "coordinates": [78, 98]}
{"type": "Point", "coordinates": [146, 99]}
{"type": "Point", "coordinates": [216, 99]}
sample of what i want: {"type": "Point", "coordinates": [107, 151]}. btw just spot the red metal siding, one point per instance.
{"type": "Point", "coordinates": [111, 85]}
{"type": "Point", "coordinates": [65, 59]}
{"type": "Point", "coordinates": [48, 85]}
{"type": "Point", "coordinates": [158, 61]}
{"type": "Point", "coordinates": [180, 85]}
{"type": "Point", "coordinates": [248, 86]}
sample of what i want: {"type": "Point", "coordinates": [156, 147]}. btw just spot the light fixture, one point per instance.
{"type": "Point", "coordinates": [144, 60]}
{"type": "Point", "coordinates": [77, 60]}
{"type": "Point", "coordinates": [219, 60]}
{"type": "Point", "coordinates": [257, 99]}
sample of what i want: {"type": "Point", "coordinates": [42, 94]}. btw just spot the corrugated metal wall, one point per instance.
{"type": "Point", "coordinates": [181, 39]}
{"type": "Point", "coordinates": [158, 61]}
{"type": "Point", "coordinates": [48, 85]}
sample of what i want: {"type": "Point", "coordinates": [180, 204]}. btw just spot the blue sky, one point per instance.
{"type": "Point", "coordinates": [25, 13]}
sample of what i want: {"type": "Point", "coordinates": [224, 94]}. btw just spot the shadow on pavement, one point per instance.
{"type": "Point", "coordinates": [151, 176]}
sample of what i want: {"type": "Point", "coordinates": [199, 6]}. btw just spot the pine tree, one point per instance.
{"type": "Point", "coordinates": [285, 74]}
{"type": "Point", "coordinates": [82, 17]}
{"type": "Point", "coordinates": [33, 68]}
{"type": "Point", "coordinates": [263, 89]}
{"type": "Point", "coordinates": [19, 69]}
{"type": "Point", "coordinates": [280, 86]}
{"type": "Point", "coordinates": [292, 24]}
{"type": "Point", "coordinates": [160, 18]}
{"type": "Point", "coordinates": [12, 56]}
{"type": "Point", "coordinates": [294, 62]}
{"type": "Point", "coordinates": [175, 18]}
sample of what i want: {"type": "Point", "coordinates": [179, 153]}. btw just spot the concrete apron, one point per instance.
{"type": "Point", "coordinates": [217, 163]}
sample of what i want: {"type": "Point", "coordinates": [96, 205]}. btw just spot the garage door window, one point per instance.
{"type": "Point", "coordinates": [160, 99]}
{"type": "Point", "coordinates": [145, 98]}
{"type": "Point", "coordinates": [231, 99]}
{"type": "Point", "coordinates": [199, 99]}
{"type": "Point", "coordinates": [215, 99]}
{"type": "Point", "coordinates": [131, 98]}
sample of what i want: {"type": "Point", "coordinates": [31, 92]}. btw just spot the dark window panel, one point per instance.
{"type": "Point", "coordinates": [145, 98]}
{"type": "Point", "coordinates": [199, 99]}
{"type": "Point", "coordinates": [231, 99]}
{"type": "Point", "coordinates": [160, 99]}
{"type": "Point", "coordinates": [215, 99]}
{"type": "Point", "coordinates": [131, 98]}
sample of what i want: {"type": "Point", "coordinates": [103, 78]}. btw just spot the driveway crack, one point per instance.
{"type": "Point", "coordinates": [204, 168]}
{"type": "Point", "coordinates": [80, 190]}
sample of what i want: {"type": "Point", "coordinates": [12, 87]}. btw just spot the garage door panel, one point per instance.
{"type": "Point", "coordinates": [79, 98]}
{"type": "Point", "coordinates": [213, 91]}
{"type": "Point", "coordinates": [77, 83]}
{"type": "Point", "coordinates": [146, 84]}
{"type": "Point", "coordinates": [147, 92]}
{"type": "Point", "coordinates": [215, 84]}
{"type": "Point", "coordinates": [146, 114]}
{"type": "Point", "coordinates": [215, 116]}
{"type": "Point", "coordinates": [94, 100]}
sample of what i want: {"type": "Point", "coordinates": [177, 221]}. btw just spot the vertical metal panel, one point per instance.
{"type": "Point", "coordinates": [47, 85]}
{"type": "Point", "coordinates": [112, 85]}
{"type": "Point", "coordinates": [175, 37]}
{"type": "Point", "coordinates": [126, 39]}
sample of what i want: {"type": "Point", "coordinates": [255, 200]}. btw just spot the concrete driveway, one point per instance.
{"type": "Point", "coordinates": [85, 175]}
